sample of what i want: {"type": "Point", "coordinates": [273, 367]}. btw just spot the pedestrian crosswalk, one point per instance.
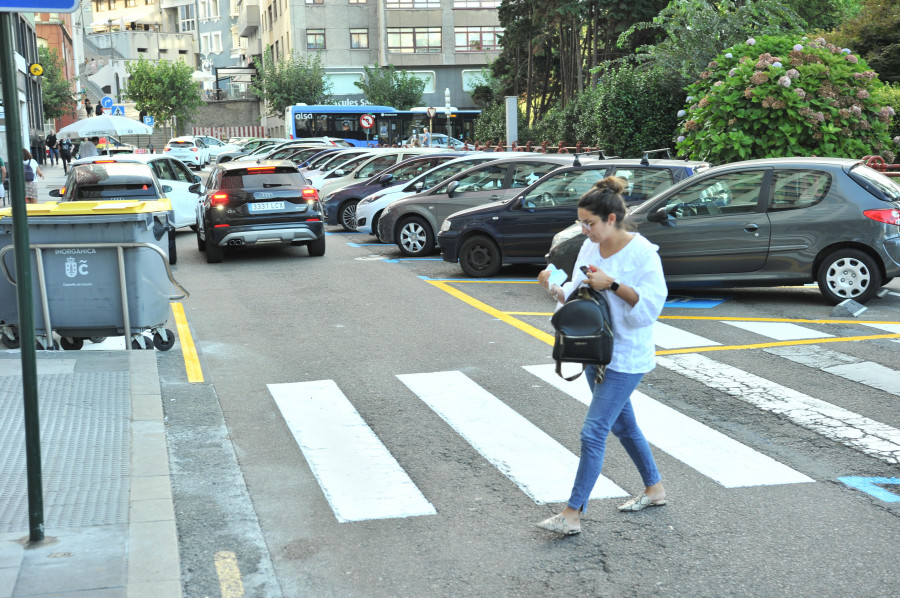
{"type": "Point", "coordinates": [362, 480]}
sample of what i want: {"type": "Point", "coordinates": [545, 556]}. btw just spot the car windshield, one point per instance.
{"type": "Point", "coordinates": [242, 179]}
{"type": "Point", "coordinates": [878, 184]}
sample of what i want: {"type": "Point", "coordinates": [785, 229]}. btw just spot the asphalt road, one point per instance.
{"type": "Point", "coordinates": [754, 419]}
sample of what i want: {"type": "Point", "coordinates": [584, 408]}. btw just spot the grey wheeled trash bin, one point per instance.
{"type": "Point", "coordinates": [91, 260]}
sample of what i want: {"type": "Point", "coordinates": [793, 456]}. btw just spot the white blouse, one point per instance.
{"type": "Point", "coordinates": [638, 266]}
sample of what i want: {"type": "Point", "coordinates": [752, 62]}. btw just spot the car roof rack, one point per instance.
{"type": "Point", "coordinates": [601, 154]}
{"type": "Point", "coordinates": [645, 158]}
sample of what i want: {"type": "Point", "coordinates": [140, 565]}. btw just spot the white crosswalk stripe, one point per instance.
{"type": "Point", "coordinates": [359, 477]}
{"type": "Point", "coordinates": [713, 454]}
{"type": "Point", "coordinates": [538, 464]}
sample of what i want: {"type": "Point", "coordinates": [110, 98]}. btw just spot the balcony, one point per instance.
{"type": "Point", "coordinates": [248, 18]}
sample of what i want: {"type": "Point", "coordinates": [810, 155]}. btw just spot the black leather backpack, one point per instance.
{"type": "Point", "coordinates": [583, 332]}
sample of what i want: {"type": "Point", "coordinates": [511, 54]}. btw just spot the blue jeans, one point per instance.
{"type": "Point", "coordinates": [54, 155]}
{"type": "Point", "coordinates": [610, 411]}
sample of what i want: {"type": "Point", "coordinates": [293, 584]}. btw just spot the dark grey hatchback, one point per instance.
{"type": "Point", "coordinates": [776, 222]}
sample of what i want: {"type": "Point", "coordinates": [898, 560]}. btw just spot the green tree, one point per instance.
{"type": "Point", "coordinates": [291, 80]}
{"type": "Point", "coordinates": [164, 90]}
{"type": "Point", "coordinates": [56, 90]}
{"type": "Point", "coordinates": [778, 96]}
{"type": "Point", "coordinates": [385, 86]}
{"type": "Point", "coordinates": [875, 34]}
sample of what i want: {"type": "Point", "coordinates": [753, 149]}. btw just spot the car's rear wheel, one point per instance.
{"type": "Point", "coordinates": [415, 237]}
{"type": "Point", "coordinates": [213, 253]}
{"type": "Point", "coordinates": [848, 274]}
{"type": "Point", "coordinates": [316, 248]}
{"type": "Point", "coordinates": [479, 257]}
{"type": "Point", "coordinates": [347, 215]}
{"type": "Point", "coordinates": [71, 343]}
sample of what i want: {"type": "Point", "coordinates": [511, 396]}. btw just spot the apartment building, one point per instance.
{"type": "Point", "coordinates": [446, 43]}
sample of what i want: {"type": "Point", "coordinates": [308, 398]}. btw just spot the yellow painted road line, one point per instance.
{"type": "Point", "coordinates": [507, 316]}
{"type": "Point", "coordinates": [528, 328]}
{"type": "Point", "coordinates": [230, 582]}
{"type": "Point", "coordinates": [188, 350]}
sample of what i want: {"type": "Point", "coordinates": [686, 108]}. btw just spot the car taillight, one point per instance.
{"type": "Point", "coordinates": [167, 149]}
{"type": "Point", "coordinates": [310, 194]}
{"type": "Point", "coordinates": [218, 199]}
{"type": "Point", "coordinates": [259, 169]}
{"type": "Point", "coordinates": [887, 216]}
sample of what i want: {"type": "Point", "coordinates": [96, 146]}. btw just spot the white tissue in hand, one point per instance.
{"type": "Point", "coordinates": [557, 277]}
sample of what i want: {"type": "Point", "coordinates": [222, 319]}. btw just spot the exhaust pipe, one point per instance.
{"type": "Point", "coordinates": [236, 242]}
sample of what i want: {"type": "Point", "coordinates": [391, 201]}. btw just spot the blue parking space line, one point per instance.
{"type": "Point", "coordinates": [412, 259]}
{"type": "Point", "coordinates": [364, 244]}
{"type": "Point", "coordinates": [684, 301]}
{"type": "Point", "coordinates": [871, 486]}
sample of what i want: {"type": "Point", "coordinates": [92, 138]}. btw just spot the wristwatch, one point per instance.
{"type": "Point", "coordinates": [614, 286]}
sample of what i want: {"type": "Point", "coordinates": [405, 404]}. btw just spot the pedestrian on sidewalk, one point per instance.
{"type": "Point", "coordinates": [2, 182]}
{"type": "Point", "coordinates": [53, 147]}
{"type": "Point", "coordinates": [32, 172]}
{"type": "Point", "coordinates": [627, 267]}
{"type": "Point", "coordinates": [65, 154]}
{"type": "Point", "coordinates": [88, 108]}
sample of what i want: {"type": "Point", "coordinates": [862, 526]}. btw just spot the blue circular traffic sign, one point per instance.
{"type": "Point", "coordinates": [106, 102]}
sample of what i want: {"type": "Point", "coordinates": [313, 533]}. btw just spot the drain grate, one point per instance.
{"type": "Point", "coordinates": [85, 448]}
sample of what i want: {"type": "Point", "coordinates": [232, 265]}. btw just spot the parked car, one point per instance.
{"type": "Point", "coordinates": [520, 230]}
{"type": "Point", "coordinates": [776, 222]}
{"type": "Point", "coordinates": [369, 209]}
{"type": "Point", "coordinates": [340, 205]}
{"type": "Point", "coordinates": [413, 223]}
{"type": "Point", "coordinates": [119, 178]}
{"type": "Point", "coordinates": [248, 147]}
{"type": "Point", "coordinates": [189, 150]}
{"type": "Point", "coordinates": [268, 202]}
{"type": "Point", "coordinates": [329, 163]}
{"type": "Point", "coordinates": [215, 146]}
{"type": "Point", "coordinates": [437, 140]}
{"type": "Point", "coordinates": [369, 166]}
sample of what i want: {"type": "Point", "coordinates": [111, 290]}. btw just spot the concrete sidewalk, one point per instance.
{"type": "Point", "coordinates": [108, 512]}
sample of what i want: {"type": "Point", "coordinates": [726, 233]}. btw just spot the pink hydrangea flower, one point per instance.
{"type": "Point", "coordinates": [784, 81]}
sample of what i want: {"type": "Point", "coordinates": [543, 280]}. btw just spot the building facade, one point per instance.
{"type": "Point", "coordinates": [25, 43]}
{"type": "Point", "coordinates": [54, 30]}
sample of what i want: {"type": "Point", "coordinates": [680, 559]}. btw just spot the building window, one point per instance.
{"type": "Point", "coordinates": [418, 40]}
{"type": "Point", "coordinates": [187, 18]}
{"type": "Point", "coordinates": [315, 1]}
{"type": "Point", "coordinates": [476, 3]}
{"type": "Point", "coordinates": [359, 39]}
{"type": "Point", "coordinates": [413, 4]}
{"type": "Point", "coordinates": [215, 41]}
{"type": "Point", "coordinates": [477, 39]}
{"type": "Point", "coordinates": [315, 39]}
{"type": "Point", "coordinates": [357, 1]}
{"type": "Point", "coordinates": [110, 4]}
{"type": "Point", "coordinates": [130, 3]}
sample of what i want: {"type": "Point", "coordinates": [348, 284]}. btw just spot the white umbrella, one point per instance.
{"type": "Point", "coordinates": [105, 124]}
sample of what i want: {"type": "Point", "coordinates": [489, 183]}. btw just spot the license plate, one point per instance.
{"type": "Point", "coordinates": [266, 206]}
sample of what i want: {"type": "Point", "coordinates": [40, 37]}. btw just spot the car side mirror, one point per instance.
{"type": "Point", "coordinates": [386, 178]}
{"type": "Point", "coordinates": [197, 178]}
{"type": "Point", "coordinates": [659, 215]}
{"type": "Point", "coordinates": [196, 188]}
{"type": "Point", "coordinates": [55, 193]}
{"type": "Point", "coordinates": [336, 173]}
{"type": "Point", "coordinates": [419, 186]}
{"type": "Point", "coordinates": [166, 189]}
{"type": "Point", "coordinates": [451, 188]}
{"type": "Point", "coordinates": [517, 203]}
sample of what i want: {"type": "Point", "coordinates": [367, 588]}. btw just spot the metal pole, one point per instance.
{"type": "Point", "coordinates": [23, 275]}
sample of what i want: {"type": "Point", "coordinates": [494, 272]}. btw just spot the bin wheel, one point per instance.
{"type": "Point", "coordinates": [97, 339]}
{"type": "Point", "coordinates": [173, 252]}
{"type": "Point", "coordinates": [39, 344]}
{"type": "Point", "coordinates": [164, 345]}
{"type": "Point", "coordinates": [136, 344]}
{"type": "Point", "coordinates": [70, 343]}
{"type": "Point", "coordinates": [10, 343]}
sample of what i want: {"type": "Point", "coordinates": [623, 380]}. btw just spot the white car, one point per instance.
{"type": "Point", "coordinates": [438, 140]}
{"type": "Point", "coordinates": [215, 146]}
{"type": "Point", "coordinates": [369, 166]}
{"type": "Point", "coordinates": [184, 187]}
{"type": "Point", "coordinates": [369, 209]}
{"type": "Point", "coordinates": [329, 163]}
{"type": "Point", "coordinates": [190, 150]}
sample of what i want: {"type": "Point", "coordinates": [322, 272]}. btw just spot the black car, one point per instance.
{"type": "Point", "coordinates": [775, 222]}
{"type": "Point", "coordinates": [256, 203]}
{"type": "Point", "coordinates": [340, 206]}
{"type": "Point", "coordinates": [520, 230]}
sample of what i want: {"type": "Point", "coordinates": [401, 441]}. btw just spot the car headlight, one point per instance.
{"type": "Point", "coordinates": [371, 198]}
{"type": "Point", "coordinates": [328, 197]}
{"type": "Point", "coordinates": [446, 225]}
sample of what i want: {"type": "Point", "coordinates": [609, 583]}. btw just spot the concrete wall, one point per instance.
{"type": "Point", "coordinates": [227, 113]}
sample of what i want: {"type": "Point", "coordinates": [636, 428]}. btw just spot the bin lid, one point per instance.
{"type": "Point", "coordinates": [87, 208]}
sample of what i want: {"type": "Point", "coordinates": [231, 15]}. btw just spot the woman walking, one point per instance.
{"type": "Point", "coordinates": [32, 171]}
{"type": "Point", "coordinates": [628, 268]}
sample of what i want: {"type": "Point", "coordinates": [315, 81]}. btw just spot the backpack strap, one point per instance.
{"type": "Point", "coordinates": [570, 378]}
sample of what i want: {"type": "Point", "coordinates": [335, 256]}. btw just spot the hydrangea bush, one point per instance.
{"type": "Point", "coordinates": [776, 96]}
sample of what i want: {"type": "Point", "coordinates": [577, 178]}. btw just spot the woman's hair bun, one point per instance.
{"type": "Point", "coordinates": [611, 184]}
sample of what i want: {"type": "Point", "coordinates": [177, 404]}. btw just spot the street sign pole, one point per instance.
{"type": "Point", "coordinates": [23, 278]}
